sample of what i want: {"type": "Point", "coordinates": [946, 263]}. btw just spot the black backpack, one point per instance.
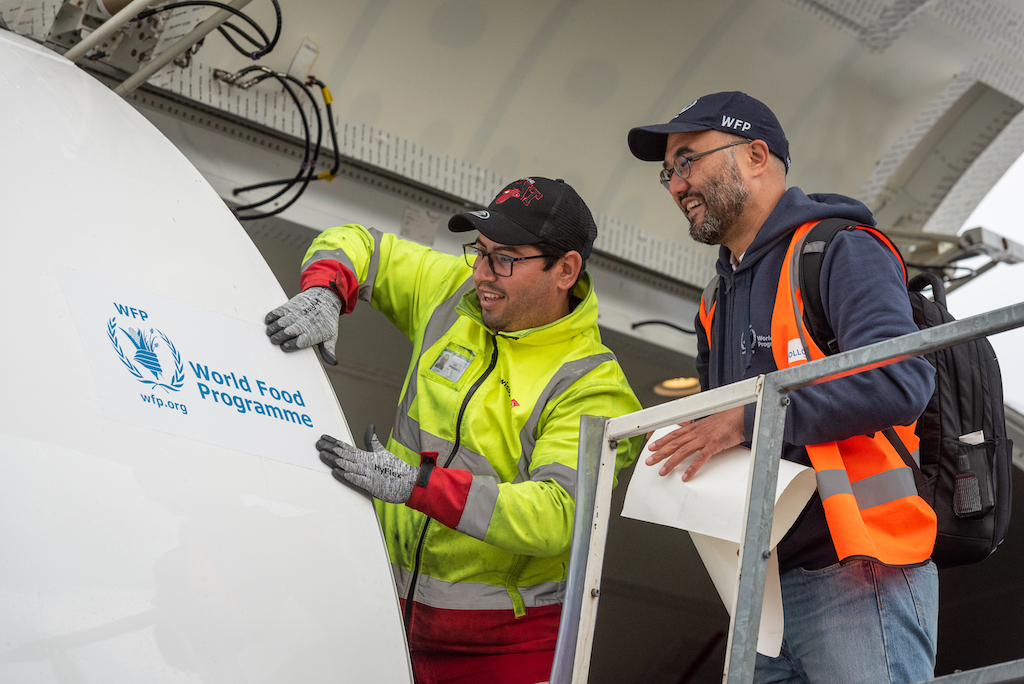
{"type": "Point", "coordinates": [969, 485]}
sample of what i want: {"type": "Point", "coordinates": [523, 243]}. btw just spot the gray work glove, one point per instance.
{"type": "Point", "coordinates": [308, 318]}
{"type": "Point", "coordinates": [379, 472]}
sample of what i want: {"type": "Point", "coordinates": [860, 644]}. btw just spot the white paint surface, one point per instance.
{"type": "Point", "coordinates": [134, 550]}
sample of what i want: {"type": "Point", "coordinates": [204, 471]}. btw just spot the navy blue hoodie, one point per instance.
{"type": "Point", "coordinates": [865, 301]}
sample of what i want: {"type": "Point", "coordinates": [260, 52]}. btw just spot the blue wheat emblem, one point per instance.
{"type": "Point", "coordinates": [145, 343]}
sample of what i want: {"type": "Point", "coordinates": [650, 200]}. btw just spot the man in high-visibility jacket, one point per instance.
{"type": "Point", "coordinates": [475, 489]}
{"type": "Point", "coordinates": [860, 594]}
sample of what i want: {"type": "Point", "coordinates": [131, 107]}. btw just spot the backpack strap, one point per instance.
{"type": "Point", "coordinates": [926, 279]}
{"type": "Point", "coordinates": [812, 256]}
{"type": "Point", "coordinates": [901, 449]}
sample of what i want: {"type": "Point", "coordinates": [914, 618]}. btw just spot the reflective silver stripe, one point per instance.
{"type": "Point", "coordinates": [469, 460]}
{"type": "Point", "coordinates": [832, 482]}
{"type": "Point", "coordinates": [884, 487]}
{"type": "Point", "coordinates": [444, 316]}
{"type": "Point", "coordinates": [464, 459]}
{"type": "Point", "coordinates": [474, 595]}
{"type": "Point", "coordinates": [562, 380]}
{"type": "Point", "coordinates": [407, 429]}
{"type": "Point", "coordinates": [483, 492]}
{"type": "Point", "coordinates": [560, 473]}
{"type": "Point", "coordinates": [876, 490]}
{"type": "Point", "coordinates": [479, 509]}
{"type": "Point", "coordinates": [338, 255]}
{"type": "Point", "coordinates": [708, 297]}
{"type": "Point", "coordinates": [366, 288]}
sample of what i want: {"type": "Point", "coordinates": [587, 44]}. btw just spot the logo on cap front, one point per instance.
{"type": "Point", "coordinates": [687, 107]}
{"type": "Point", "coordinates": [736, 124]}
{"type": "Point", "coordinates": [524, 190]}
{"type": "Point", "coordinates": [481, 214]}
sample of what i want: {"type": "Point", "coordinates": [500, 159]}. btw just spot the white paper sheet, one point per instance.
{"type": "Point", "coordinates": [711, 507]}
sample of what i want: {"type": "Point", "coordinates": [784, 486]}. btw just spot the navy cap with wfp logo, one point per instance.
{"type": "Point", "coordinates": [731, 112]}
{"type": "Point", "coordinates": [532, 210]}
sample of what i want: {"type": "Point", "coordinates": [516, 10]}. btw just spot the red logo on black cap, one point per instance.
{"type": "Point", "coordinates": [524, 190]}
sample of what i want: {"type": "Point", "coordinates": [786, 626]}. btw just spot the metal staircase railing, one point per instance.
{"type": "Point", "coordinates": [599, 438]}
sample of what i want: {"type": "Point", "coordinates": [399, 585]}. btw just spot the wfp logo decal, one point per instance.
{"type": "Point", "coordinates": [151, 349]}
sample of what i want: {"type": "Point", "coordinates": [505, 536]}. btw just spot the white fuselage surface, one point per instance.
{"type": "Point", "coordinates": [164, 515]}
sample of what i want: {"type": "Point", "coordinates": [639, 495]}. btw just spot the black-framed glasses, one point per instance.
{"type": "Point", "coordinates": [681, 166]}
{"type": "Point", "coordinates": [501, 264]}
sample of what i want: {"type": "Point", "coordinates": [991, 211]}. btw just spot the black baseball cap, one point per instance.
{"type": "Point", "coordinates": [732, 112]}
{"type": "Point", "coordinates": [532, 210]}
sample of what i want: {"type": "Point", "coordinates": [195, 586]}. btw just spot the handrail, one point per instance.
{"type": "Point", "coordinates": [770, 392]}
{"type": "Point", "coordinates": [572, 652]}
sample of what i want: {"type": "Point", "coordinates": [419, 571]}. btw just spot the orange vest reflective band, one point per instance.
{"type": "Point", "coordinates": [870, 499]}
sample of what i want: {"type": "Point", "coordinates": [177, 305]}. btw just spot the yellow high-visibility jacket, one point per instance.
{"type": "Point", "coordinates": [480, 553]}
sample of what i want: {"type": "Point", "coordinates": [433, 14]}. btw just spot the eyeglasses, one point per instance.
{"type": "Point", "coordinates": [681, 166]}
{"type": "Point", "coordinates": [501, 264]}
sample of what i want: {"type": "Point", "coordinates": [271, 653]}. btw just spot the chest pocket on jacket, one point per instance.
{"type": "Point", "coordinates": [449, 364]}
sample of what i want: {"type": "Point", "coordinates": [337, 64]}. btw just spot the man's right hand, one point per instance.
{"type": "Point", "coordinates": [705, 437]}
{"type": "Point", "coordinates": [308, 318]}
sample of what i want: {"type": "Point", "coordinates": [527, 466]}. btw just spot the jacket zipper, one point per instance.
{"type": "Point", "coordinates": [407, 617]}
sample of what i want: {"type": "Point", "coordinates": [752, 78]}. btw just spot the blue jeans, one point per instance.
{"type": "Point", "coordinates": [858, 622]}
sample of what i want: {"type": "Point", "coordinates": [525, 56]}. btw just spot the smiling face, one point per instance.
{"type": "Point", "coordinates": [714, 196]}
{"type": "Point", "coordinates": [530, 297]}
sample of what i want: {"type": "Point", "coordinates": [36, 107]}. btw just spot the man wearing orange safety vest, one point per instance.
{"type": "Point", "coordinates": [860, 594]}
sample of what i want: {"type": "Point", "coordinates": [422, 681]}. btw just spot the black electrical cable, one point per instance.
{"type": "Point", "coordinates": [945, 271]}
{"type": "Point", "coordinates": [203, 3]}
{"type": "Point", "coordinates": [671, 325]}
{"type": "Point", "coordinates": [306, 153]}
{"type": "Point", "coordinates": [222, 29]}
{"type": "Point", "coordinates": [938, 269]}
{"type": "Point", "coordinates": [326, 175]}
{"type": "Point", "coordinates": [970, 275]}
{"type": "Point", "coordinates": [308, 163]}
{"type": "Point", "coordinates": [266, 46]}
{"type": "Point", "coordinates": [277, 31]}
{"type": "Point", "coordinates": [308, 166]}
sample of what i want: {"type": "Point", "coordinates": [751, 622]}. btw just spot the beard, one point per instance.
{"type": "Point", "coordinates": [724, 201]}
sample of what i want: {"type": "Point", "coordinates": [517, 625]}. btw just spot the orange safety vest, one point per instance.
{"type": "Point", "coordinates": [871, 503]}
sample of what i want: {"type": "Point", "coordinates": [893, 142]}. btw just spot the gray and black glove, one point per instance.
{"type": "Point", "coordinates": [308, 318]}
{"type": "Point", "coordinates": [379, 472]}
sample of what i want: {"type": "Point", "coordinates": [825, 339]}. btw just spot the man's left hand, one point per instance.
{"type": "Point", "coordinates": [708, 436]}
{"type": "Point", "coordinates": [379, 472]}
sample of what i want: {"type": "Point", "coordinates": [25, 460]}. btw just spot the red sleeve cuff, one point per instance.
{"type": "Point", "coordinates": [443, 494]}
{"type": "Point", "coordinates": [331, 274]}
